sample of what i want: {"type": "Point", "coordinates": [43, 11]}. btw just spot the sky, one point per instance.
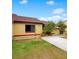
{"type": "Point", "coordinates": [47, 10]}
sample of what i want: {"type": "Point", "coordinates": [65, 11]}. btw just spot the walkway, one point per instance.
{"type": "Point", "coordinates": [57, 41]}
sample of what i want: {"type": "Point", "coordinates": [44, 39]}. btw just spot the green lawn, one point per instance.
{"type": "Point", "coordinates": [36, 49]}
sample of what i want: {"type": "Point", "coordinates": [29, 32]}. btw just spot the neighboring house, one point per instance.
{"type": "Point", "coordinates": [26, 26]}
{"type": "Point", "coordinates": [56, 31]}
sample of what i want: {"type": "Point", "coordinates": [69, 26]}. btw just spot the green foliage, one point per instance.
{"type": "Point", "coordinates": [62, 26]}
{"type": "Point", "coordinates": [49, 27]}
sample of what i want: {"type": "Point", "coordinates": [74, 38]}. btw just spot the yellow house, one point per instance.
{"type": "Point", "coordinates": [26, 26]}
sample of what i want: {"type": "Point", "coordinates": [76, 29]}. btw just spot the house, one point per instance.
{"type": "Point", "coordinates": [56, 31]}
{"type": "Point", "coordinates": [26, 26]}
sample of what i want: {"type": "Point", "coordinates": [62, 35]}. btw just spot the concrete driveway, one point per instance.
{"type": "Point", "coordinates": [57, 41]}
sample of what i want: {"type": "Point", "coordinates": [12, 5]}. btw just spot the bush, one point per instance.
{"type": "Point", "coordinates": [48, 28]}
{"type": "Point", "coordinates": [62, 26]}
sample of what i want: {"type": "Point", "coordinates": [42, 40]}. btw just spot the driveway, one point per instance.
{"type": "Point", "coordinates": [57, 41]}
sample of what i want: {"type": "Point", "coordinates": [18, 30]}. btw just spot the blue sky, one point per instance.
{"type": "Point", "coordinates": [52, 10]}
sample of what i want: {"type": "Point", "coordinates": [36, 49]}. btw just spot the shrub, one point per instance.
{"type": "Point", "coordinates": [62, 26]}
{"type": "Point", "coordinates": [48, 28]}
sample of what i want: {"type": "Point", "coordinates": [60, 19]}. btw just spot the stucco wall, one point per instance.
{"type": "Point", "coordinates": [38, 29]}
{"type": "Point", "coordinates": [19, 28]}
{"type": "Point", "coordinates": [56, 31]}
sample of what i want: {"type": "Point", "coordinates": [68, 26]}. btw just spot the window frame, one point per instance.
{"type": "Point", "coordinates": [32, 28]}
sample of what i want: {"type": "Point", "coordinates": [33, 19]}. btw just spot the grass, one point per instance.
{"type": "Point", "coordinates": [36, 49]}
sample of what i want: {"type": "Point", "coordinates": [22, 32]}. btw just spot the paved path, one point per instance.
{"type": "Point", "coordinates": [57, 41]}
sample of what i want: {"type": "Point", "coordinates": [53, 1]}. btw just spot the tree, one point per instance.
{"type": "Point", "coordinates": [61, 26]}
{"type": "Point", "coordinates": [48, 28]}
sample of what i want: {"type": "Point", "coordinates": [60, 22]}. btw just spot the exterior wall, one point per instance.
{"type": "Point", "coordinates": [19, 28]}
{"type": "Point", "coordinates": [56, 31]}
{"type": "Point", "coordinates": [38, 29]}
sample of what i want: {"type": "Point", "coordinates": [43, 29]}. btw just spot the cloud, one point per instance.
{"type": "Point", "coordinates": [58, 11]}
{"type": "Point", "coordinates": [23, 2]}
{"type": "Point", "coordinates": [53, 18]}
{"type": "Point", "coordinates": [50, 2]}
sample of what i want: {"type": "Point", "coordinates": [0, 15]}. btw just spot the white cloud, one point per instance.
{"type": "Point", "coordinates": [50, 2]}
{"type": "Point", "coordinates": [58, 11]}
{"type": "Point", "coordinates": [23, 2]}
{"type": "Point", "coordinates": [53, 18]}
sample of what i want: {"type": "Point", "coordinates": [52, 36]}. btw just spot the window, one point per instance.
{"type": "Point", "coordinates": [29, 28]}
{"type": "Point", "coordinates": [43, 26]}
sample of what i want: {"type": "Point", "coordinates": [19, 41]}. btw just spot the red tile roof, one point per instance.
{"type": "Point", "coordinates": [16, 18]}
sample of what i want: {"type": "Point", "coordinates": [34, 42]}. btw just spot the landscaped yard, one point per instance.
{"type": "Point", "coordinates": [36, 49]}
